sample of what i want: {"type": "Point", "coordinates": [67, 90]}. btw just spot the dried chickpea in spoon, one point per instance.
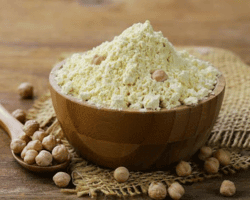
{"type": "Point", "coordinates": [30, 156]}
{"type": "Point", "coordinates": [35, 144]}
{"type": "Point", "coordinates": [60, 153]}
{"type": "Point", "coordinates": [49, 142]}
{"type": "Point", "coordinates": [44, 158]}
{"type": "Point", "coordinates": [17, 145]}
{"type": "Point", "coordinates": [25, 138]}
{"type": "Point", "coordinates": [24, 152]}
{"type": "Point", "coordinates": [30, 127]}
{"type": "Point", "coordinates": [39, 135]}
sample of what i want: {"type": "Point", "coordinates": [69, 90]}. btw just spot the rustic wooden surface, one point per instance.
{"type": "Point", "coordinates": [34, 33]}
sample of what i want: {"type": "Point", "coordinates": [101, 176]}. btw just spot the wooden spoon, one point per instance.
{"type": "Point", "coordinates": [14, 128]}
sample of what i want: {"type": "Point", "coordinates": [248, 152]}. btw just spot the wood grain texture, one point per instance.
{"type": "Point", "coordinates": [12, 126]}
{"type": "Point", "coordinates": [34, 33]}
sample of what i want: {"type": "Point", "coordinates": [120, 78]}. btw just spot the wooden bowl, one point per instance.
{"type": "Point", "coordinates": [134, 139]}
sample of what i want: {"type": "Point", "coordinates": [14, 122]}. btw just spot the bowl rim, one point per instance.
{"type": "Point", "coordinates": [219, 87]}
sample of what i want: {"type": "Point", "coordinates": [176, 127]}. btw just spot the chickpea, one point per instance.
{"type": "Point", "coordinates": [39, 135]}
{"type": "Point", "coordinates": [227, 188]}
{"type": "Point", "coordinates": [121, 174]}
{"type": "Point", "coordinates": [44, 158]}
{"type": "Point", "coordinates": [176, 191]}
{"type": "Point", "coordinates": [211, 165]}
{"type": "Point", "coordinates": [30, 156]}
{"type": "Point", "coordinates": [20, 115]}
{"type": "Point", "coordinates": [60, 153]}
{"type": "Point", "coordinates": [17, 145]}
{"type": "Point", "coordinates": [223, 157]}
{"type": "Point", "coordinates": [183, 169]}
{"type": "Point", "coordinates": [157, 190]}
{"type": "Point", "coordinates": [49, 142]}
{"type": "Point", "coordinates": [24, 152]}
{"type": "Point", "coordinates": [30, 127]}
{"type": "Point", "coordinates": [159, 75]}
{"type": "Point", "coordinates": [98, 59]}
{"type": "Point", "coordinates": [25, 138]}
{"type": "Point", "coordinates": [205, 152]}
{"type": "Point", "coordinates": [35, 144]}
{"type": "Point", "coordinates": [25, 90]}
{"type": "Point", "coordinates": [61, 179]}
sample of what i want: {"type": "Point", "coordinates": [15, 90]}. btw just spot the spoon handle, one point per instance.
{"type": "Point", "coordinates": [10, 124]}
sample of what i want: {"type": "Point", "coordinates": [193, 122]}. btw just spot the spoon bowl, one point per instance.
{"type": "Point", "coordinates": [14, 128]}
{"type": "Point", "coordinates": [39, 169]}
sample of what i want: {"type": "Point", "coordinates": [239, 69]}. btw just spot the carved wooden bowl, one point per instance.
{"type": "Point", "coordinates": [134, 139]}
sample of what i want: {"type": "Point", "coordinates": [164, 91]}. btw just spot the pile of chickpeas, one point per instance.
{"type": "Point", "coordinates": [36, 146]}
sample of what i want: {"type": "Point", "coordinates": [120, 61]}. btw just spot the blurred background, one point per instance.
{"type": "Point", "coordinates": [35, 33]}
{"type": "Point", "coordinates": [86, 23]}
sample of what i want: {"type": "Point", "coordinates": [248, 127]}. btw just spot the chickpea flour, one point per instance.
{"type": "Point", "coordinates": [120, 74]}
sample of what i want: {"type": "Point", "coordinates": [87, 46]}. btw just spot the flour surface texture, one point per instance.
{"type": "Point", "coordinates": [118, 74]}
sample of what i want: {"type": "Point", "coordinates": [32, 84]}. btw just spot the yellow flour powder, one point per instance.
{"type": "Point", "coordinates": [123, 77]}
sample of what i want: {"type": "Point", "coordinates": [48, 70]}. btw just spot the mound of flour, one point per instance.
{"type": "Point", "coordinates": [118, 74]}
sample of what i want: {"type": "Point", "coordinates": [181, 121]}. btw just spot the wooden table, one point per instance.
{"type": "Point", "coordinates": [34, 33]}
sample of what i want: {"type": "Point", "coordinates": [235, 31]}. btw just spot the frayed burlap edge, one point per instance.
{"type": "Point", "coordinates": [231, 131]}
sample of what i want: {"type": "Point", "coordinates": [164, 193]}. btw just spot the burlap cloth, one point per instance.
{"type": "Point", "coordinates": [231, 131]}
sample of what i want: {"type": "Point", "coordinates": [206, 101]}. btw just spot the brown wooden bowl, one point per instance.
{"type": "Point", "coordinates": [131, 138]}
